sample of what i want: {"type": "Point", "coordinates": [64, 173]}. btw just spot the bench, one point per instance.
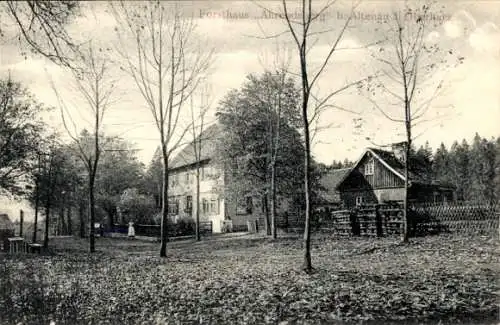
{"type": "Point", "coordinates": [17, 245]}
{"type": "Point", "coordinates": [35, 248]}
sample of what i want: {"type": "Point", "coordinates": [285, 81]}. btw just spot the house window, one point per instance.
{"type": "Point", "coordinates": [359, 200]}
{"type": "Point", "coordinates": [249, 205]}
{"type": "Point", "coordinates": [369, 167]}
{"type": "Point", "coordinates": [204, 206]}
{"type": "Point", "coordinates": [187, 178]}
{"type": "Point", "coordinates": [213, 206]}
{"type": "Point", "coordinates": [173, 206]}
{"type": "Point", "coordinates": [202, 173]}
{"type": "Point", "coordinates": [174, 180]}
{"type": "Point", "coordinates": [189, 204]}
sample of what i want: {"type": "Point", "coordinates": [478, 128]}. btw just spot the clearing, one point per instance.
{"type": "Point", "coordinates": [248, 279]}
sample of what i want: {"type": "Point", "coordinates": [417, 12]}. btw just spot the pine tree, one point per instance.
{"type": "Point", "coordinates": [477, 186]}
{"type": "Point", "coordinates": [440, 167]}
{"type": "Point", "coordinates": [497, 170]}
{"type": "Point", "coordinates": [459, 164]}
{"type": "Point", "coordinates": [488, 170]}
{"type": "Point", "coordinates": [422, 161]}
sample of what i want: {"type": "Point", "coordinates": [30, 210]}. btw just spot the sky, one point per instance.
{"type": "Point", "coordinates": [235, 31]}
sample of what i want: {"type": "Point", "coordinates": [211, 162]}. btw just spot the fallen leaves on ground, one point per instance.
{"type": "Point", "coordinates": [253, 280]}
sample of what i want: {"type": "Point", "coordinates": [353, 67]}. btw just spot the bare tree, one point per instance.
{"type": "Point", "coordinates": [411, 79]}
{"type": "Point", "coordinates": [96, 88]}
{"type": "Point", "coordinates": [304, 36]}
{"type": "Point", "coordinates": [42, 25]}
{"type": "Point", "coordinates": [198, 123]}
{"type": "Point", "coordinates": [167, 67]}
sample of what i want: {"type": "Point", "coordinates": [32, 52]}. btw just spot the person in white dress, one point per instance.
{"type": "Point", "coordinates": [131, 230]}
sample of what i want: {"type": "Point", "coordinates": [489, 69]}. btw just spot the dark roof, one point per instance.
{"type": "Point", "coordinates": [187, 155]}
{"type": "Point", "coordinates": [389, 159]}
{"type": "Point", "coordinates": [5, 222]}
{"type": "Point", "coordinates": [329, 182]}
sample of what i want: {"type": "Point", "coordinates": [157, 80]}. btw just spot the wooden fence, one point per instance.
{"type": "Point", "coordinates": [462, 217]}
{"type": "Point", "coordinates": [424, 218]}
{"type": "Point", "coordinates": [174, 230]}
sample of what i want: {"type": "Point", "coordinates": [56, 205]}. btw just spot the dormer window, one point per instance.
{"type": "Point", "coordinates": [369, 167]}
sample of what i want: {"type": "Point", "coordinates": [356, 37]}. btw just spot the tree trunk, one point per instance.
{"type": "Point", "coordinates": [21, 222]}
{"type": "Point", "coordinates": [307, 159]}
{"type": "Point", "coordinates": [164, 204]}
{"type": "Point", "coordinates": [307, 226]}
{"type": "Point", "coordinates": [48, 203]}
{"type": "Point", "coordinates": [69, 222]}
{"type": "Point", "coordinates": [266, 214]}
{"type": "Point", "coordinates": [405, 235]}
{"type": "Point", "coordinates": [81, 215]}
{"type": "Point", "coordinates": [47, 219]}
{"type": "Point", "coordinates": [198, 238]}
{"type": "Point", "coordinates": [37, 203]}
{"type": "Point", "coordinates": [111, 219]}
{"type": "Point", "coordinates": [64, 229]}
{"type": "Point", "coordinates": [273, 200]}
{"type": "Point", "coordinates": [92, 212]}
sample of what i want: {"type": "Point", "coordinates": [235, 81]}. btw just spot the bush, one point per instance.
{"type": "Point", "coordinates": [185, 226]}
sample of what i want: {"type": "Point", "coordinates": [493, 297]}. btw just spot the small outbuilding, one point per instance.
{"type": "Point", "coordinates": [7, 230]}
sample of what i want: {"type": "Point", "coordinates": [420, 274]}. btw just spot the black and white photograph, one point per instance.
{"type": "Point", "coordinates": [250, 162]}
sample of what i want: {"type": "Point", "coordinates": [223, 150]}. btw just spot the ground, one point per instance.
{"type": "Point", "coordinates": [248, 279]}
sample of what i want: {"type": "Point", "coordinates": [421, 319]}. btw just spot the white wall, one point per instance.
{"type": "Point", "coordinates": [210, 188]}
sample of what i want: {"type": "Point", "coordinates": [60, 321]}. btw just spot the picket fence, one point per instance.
{"type": "Point", "coordinates": [387, 219]}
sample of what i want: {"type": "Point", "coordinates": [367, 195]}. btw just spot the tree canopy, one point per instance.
{"type": "Point", "coordinates": [21, 132]}
{"type": "Point", "coordinates": [245, 116]}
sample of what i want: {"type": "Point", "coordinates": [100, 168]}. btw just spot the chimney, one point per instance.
{"type": "Point", "coordinates": [398, 149]}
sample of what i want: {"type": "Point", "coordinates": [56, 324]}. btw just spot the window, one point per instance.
{"type": "Point", "coordinates": [187, 178]}
{"type": "Point", "coordinates": [213, 206]}
{"type": "Point", "coordinates": [174, 180]}
{"type": "Point", "coordinates": [249, 205]}
{"type": "Point", "coordinates": [204, 206]}
{"type": "Point", "coordinates": [202, 173]}
{"type": "Point", "coordinates": [189, 204]}
{"type": "Point", "coordinates": [369, 167]}
{"type": "Point", "coordinates": [173, 206]}
{"type": "Point", "coordinates": [359, 200]}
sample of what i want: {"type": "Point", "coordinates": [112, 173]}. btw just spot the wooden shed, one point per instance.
{"type": "Point", "coordinates": [6, 230]}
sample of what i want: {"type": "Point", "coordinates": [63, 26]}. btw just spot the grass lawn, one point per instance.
{"type": "Point", "coordinates": [248, 279]}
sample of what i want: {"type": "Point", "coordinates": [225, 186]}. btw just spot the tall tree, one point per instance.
{"type": "Point", "coordinates": [198, 123]}
{"type": "Point", "coordinates": [441, 165]}
{"type": "Point", "coordinates": [95, 86]}
{"type": "Point", "coordinates": [167, 65]}
{"type": "Point", "coordinates": [497, 169]}
{"type": "Point", "coordinates": [259, 126]}
{"type": "Point", "coordinates": [488, 169]}
{"type": "Point", "coordinates": [410, 77]}
{"type": "Point", "coordinates": [21, 131]}
{"type": "Point", "coordinates": [305, 37]}
{"type": "Point", "coordinates": [119, 169]}
{"type": "Point", "coordinates": [136, 207]}
{"type": "Point", "coordinates": [478, 186]}
{"type": "Point", "coordinates": [422, 161]}
{"type": "Point", "coordinates": [459, 166]}
{"type": "Point", "coordinates": [56, 178]}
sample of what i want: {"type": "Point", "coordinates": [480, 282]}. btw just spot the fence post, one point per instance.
{"type": "Point", "coordinates": [378, 221]}
{"type": "Point", "coordinates": [21, 221]}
